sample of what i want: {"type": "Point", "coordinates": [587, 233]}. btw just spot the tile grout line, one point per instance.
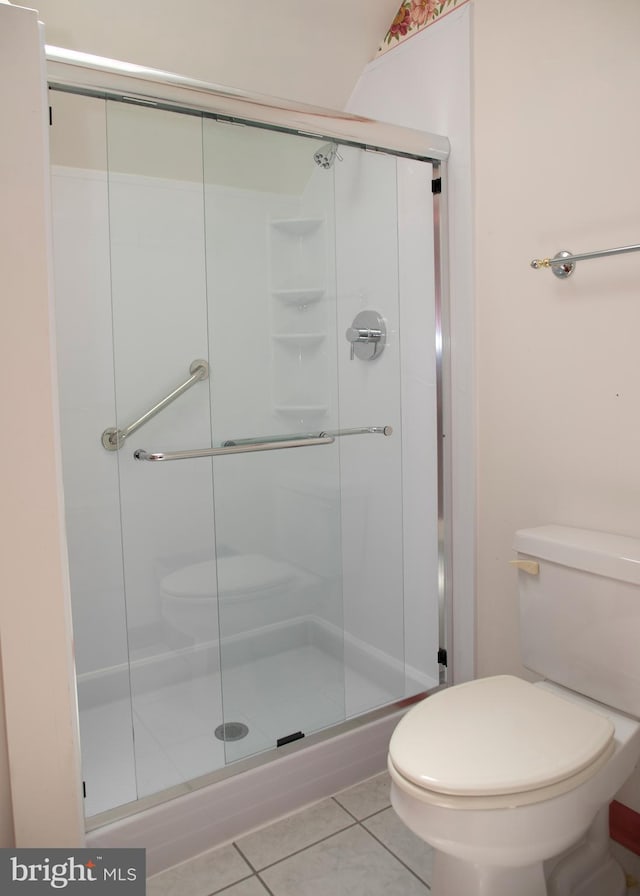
{"type": "Point", "coordinates": [264, 884]}
{"type": "Point", "coordinates": [391, 852]}
{"type": "Point", "coordinates": [356, 823]}
{"type": "Point", "coordinates": [337, 801]}
{"type": "Point", "coordinates": [240, 879]}
{"type": "Point", "coordinates": [242, 855]}
{"type": "Point", "coordinates": [297, 852]}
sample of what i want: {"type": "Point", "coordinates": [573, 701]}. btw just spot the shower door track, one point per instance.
{"type": "Point", "coordinates": [98, 76]}
{"type": "Point", "coordinates": [80, 73]}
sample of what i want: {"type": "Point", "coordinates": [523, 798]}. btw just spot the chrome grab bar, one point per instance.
{"type": "Point", "coordinates": [334, 433]}
{"type": "Point", "coordinates": [113, 439]}
{"type": "Point", "coordinates": [141, 454]}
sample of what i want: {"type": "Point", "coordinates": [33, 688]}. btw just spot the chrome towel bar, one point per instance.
{"type": "Point", "coordinates": [141, 454]}
{"type": "Point", "coordinates": [563, 263]}
{"type": "Point", "coordinates": [113, 439]}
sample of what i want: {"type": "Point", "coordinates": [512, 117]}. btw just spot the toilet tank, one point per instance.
{"type": "Point", "coordinates": [580, 611]}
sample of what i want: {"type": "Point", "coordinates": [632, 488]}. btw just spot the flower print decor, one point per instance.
{"type": "Point", "coordinates": [413, 16]}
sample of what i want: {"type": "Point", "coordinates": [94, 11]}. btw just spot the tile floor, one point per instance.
{"type": "Point", "coordinates": [352, 843]}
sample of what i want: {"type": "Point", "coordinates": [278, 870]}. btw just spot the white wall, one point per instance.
{"type": "Point", "coordinates": [558, 376]}
{"type": "Point", "coordinates": [425, 84]}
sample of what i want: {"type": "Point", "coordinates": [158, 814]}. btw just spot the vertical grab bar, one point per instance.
{"type": "Point", "coordinates": [113, 439]}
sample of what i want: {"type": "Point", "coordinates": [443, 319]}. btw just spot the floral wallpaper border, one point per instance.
{"type": "Point", "coordinates": [413, 16]}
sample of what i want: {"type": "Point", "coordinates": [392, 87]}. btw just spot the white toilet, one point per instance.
{"type": "Point", "coordinates": [510, 782]}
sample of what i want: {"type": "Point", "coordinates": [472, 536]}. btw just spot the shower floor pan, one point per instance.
{"type": "Point", "coordinates": [165, 735]}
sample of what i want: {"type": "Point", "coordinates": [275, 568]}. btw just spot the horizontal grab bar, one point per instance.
{"type": "Point", "coordinates": [113, 439]}
{"type": "Point", "coordinates": [334, 433]}
{"type": "Point", "coordinates": [141, 454]}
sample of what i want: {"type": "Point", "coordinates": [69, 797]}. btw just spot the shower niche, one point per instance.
{"type": "Point", "coordinates": [254, 593]}
{"type": "Point", "coordinates": [300, 279]}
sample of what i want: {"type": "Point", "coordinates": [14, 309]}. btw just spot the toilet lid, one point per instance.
{"type": "Point", "coordinates": [496, 735]}
{"type": "Point", "coordinates": [236, 574]}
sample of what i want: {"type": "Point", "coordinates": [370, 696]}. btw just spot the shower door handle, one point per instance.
{"type": "Point", "coordinates": [141, 454]}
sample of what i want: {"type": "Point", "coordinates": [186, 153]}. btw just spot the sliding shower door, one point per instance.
{"type": "Point", "coordinates": [252, 503]}
{"type": "Point", "coordinates": [159, 314]}
{"type": "Point", "coordinates": [271, 284]}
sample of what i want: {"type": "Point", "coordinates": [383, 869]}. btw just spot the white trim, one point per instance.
{"type": "Point", "coordinates": [35, 612]}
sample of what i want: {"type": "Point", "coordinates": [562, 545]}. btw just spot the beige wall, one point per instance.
{"type": "Point", "coordinates": [558, 364]}
{"type": "Point", "coordinates": [311, 52]}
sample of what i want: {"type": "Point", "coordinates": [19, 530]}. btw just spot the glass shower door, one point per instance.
{"type": "Point", "coordinates": [269, 213]}
{"type": "Point", "coordinates": [159, 314]}
{"type": "Point", "coordinates": [227, 604]}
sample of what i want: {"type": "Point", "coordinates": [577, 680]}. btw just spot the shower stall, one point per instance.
{"type": "Point", "coordinates": [249, 336]}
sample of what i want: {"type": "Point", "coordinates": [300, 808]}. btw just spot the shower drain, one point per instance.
{"type": "Point", "coordinates": [231, 731]}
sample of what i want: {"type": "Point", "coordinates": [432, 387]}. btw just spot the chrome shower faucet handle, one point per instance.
{"type": "Point", "coordinates": [367, 335]}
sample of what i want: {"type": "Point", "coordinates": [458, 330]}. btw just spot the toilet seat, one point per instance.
{"type": "Point", "coordinates": [497, 741]}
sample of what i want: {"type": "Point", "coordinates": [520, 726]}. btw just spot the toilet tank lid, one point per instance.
{"type": "Point", "coordinates": [602, 553]}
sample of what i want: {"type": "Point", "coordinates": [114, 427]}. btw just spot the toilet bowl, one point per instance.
{"type": "Point", "coordinates": [510, 774]}
{"type": "Point", "coordinates": [510, 781]}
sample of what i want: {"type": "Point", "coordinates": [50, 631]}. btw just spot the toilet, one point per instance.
{"type": "Point", "coordinates": [510, 781]}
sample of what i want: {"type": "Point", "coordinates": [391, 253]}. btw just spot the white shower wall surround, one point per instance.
{"type": "Point", "coordinates": [152, 274]}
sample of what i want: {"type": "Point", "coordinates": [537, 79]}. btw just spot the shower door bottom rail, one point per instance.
{"type": "Point", "coordinates": [141, 454]}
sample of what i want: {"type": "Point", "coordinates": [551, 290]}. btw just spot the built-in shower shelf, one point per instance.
{"type": "Point", "coordinates": [299, 340]}
{"type": "Point", "coordinates": [297, 226]}
{"type": "Point", "coordinates": [300, 410]}
{"type": "Point", "coordinates": [299, 297]}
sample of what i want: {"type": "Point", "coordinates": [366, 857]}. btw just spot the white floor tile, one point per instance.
{"type": "Point", "coordinates": [351, 862]}
{"type": "Point", "coordinates": [402, 842]}
{"type": "Point", "coordinates": [250, 887]}
{"type": "Point", "coordinates": [291, 834]}
{"type": "Point", "coordinates": [367, 797]}
{"type": "Point", "coordinates": [202, 876]}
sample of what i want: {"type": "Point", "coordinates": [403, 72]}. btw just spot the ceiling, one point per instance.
{"type": "Point", "coordinates": [312, 51]}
